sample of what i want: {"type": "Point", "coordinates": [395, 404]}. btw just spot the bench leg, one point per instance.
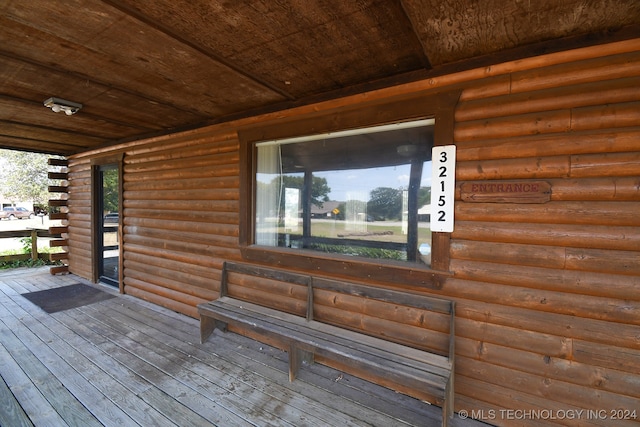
{"type": "Point", "coordinates": [296, 358]}
{"type": "Point", "coordinates": [207, 326]}
{"type": "Point", "coordinates": [447, 407]}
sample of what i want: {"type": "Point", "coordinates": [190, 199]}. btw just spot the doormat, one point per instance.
{"type": "Point", "coordinates": [66, 297]}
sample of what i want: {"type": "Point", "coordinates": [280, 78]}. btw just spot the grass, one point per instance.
{"type": "Point", "coordinates": [16, 258]}
{"type": "Point", "coordinates": [375, 231]}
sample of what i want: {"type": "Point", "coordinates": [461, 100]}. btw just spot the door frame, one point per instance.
{"type": "Point", "coordinates": [96, 215]}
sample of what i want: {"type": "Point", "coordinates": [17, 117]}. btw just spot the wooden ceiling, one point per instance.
{"type": "Point", "coordinates": [148, 67]}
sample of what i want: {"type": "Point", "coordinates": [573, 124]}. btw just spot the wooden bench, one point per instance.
{"type": "Point", "coordinates": [305, 337]}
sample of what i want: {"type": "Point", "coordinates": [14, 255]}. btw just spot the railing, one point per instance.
{"type": "Point", "coordinates": [33, 233]}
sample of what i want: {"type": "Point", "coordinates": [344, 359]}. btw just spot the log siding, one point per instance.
{"type": "Point", "coordinates": [547, 294]}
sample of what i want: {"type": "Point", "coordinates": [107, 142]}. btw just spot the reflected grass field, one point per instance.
{"type": "Point", "coordinates": [384, 231]}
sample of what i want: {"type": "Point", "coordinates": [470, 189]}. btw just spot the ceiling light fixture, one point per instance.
{"type": "Point", "coordinates": [57, 105]}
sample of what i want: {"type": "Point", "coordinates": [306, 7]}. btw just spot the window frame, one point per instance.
{"type": "Point", "coordinates": [440, 106]}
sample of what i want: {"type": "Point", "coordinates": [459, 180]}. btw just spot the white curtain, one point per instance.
{"type": "Point", "coordinates": [268, 193]}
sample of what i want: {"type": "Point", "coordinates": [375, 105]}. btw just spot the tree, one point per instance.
{"type": "Point", "coordinates": [24, 176]}
{"type": "Point", "coordinates": [319, 187]}
{"type": "Point", "coordinates": [385, 202]}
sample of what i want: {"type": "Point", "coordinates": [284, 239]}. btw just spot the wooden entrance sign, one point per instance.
{"type": "Point", "coordinates": [506, 191]}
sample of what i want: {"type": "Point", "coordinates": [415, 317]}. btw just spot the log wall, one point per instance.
{"type": "Point", "coordinates": [548, 303]}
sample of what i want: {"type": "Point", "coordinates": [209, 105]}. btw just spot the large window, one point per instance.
{"type": "Point", "coordinates": [360, 193]}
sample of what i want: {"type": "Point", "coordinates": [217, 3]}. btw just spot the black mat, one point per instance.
{"type": "Point", "coordinates": [66, 297]}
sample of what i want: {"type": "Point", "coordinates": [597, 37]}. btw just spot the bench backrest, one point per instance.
{"type": "Point", "coordinates": [438, 305]}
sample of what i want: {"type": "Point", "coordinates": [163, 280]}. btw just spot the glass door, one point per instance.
{"type": "Point", "coordinates": [108, 224]}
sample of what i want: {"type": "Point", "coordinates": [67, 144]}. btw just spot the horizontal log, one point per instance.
{"type": "Point", "coordinates": [487, 88]}
{"type": "Point", "coordinates": [164, 292]}
{"type": "Point", "coordinates": [186, 258]}
{"type": "Point", "coordinates": [57, 256]}
{"type": "Point", "coordinates": [416, 337]}
{"type": "Point", "coordinates": [622, 359]}
{"type": "Point", "coordinates": [217, 217]}
{"type": "Point", "coordinates": [556, 368]}
{"type": "Point", "coordinates": [58, 243]}
{"type": "Point", "coordinates": [510, 337]}
{"type": "Point", "coordinates": [57, 202]}
{"type": "Point", "coordinates": [609, 164]}
{"type": "Point", "coordinates": [57, 162]}
{"type": "Point", "coordinates": [208, 225]}
{"type": "Point", "coordinates": [79, 203]}
{"type": "Point", "coordinates": [392, 312]}
{"type": "Point", "coordinates": [274, 287]}
{"type": "Point", "coordinates": [81, 256]}
{"type": "Point", "coordinates": [165, 279]}
{"type": "Point", "coordinates": [607, 116]}
{"type": "Point", "coordinates": [578, 213]}
{"type": "Point", "coordinates": [169, 164]}
{"type": "Point", "coordinates": [77, 247]}
{"type": "Point", "coordinates": [605, 285]}
{"type": "Point", "coordinates": [589, 142]}
{"type": "Point", "coordinates": [473, 392]}
{"type": "Point", "coordinates": [567, 97]}
{"type": "Point", "coordinates": [196, 238]}
{"type": "Point", "coordinates": [81, 177]}
{"type": "Point", "coordinates": [170, 208]}
{"type": "Point", "coordinates": [509, 253]}
{"type": "Point", "coordinates": [548, 301]}
{"type": "Point", "coordinates": [596, 260]}
{"type": "Point", "coordinates": [58, 230]}
{"type": "Point", "coordinates": [561, 395]}
{"type": "Point", "coordinates": [58, 216]}
{"type": "Point", "coordinates": [80, 271]}
{"type": "Point", "coordinates": [507, 127]}
{"type": "Point", "coordinates": [189, 148]}
{"type": "Point", "coordinates": [59, 269]}
{"type": "Point", "coordinates": [133, 288]}
{"type": "Point", "coordinates": [592, 69]}
{"type": "Point", "coordinates": [79, 231]}
{"type": "Point", "coordinates": [58, 189]}
{"type": "Point", "coordinates": [185, 194]}
{"type": "Point", "coordinates": [182, 141]}
{"type": "Point", "coordinates": [522, 168]}
{"type": "Point", "coordinates": [58, 175]}
{"type": "Point", "coordinates": [596, 189]}
{"type": "Point", "coordinates": [605, 261]}
{"type": "Point", "coordinates": [537, 322]}
{"type": "Point", "coordinates": [82, 186]}
{"type": "Point", "coordinates": [186, 173]}
{"type": "Point", "coordinates": [267, 299]}
{"type": "Point", "coordinates": [176, 246]}
{"type": "Point", "coordinates": [179, 184]}
{"type": "Point", "coordinates": [578, 236]}
{"type": "Point", "coordinates": [205, 277]}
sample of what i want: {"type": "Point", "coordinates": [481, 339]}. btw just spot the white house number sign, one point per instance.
{"type": "Point", "coordinates": [443, 187]}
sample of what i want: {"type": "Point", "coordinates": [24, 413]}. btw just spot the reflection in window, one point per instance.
{"type": "Point", "coordinates": [363, 192]}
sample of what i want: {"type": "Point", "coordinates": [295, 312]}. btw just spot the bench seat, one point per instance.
{"type": "Point", "coordinates": [305, 338]}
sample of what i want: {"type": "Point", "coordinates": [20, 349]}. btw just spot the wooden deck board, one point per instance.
{"type": "Point", "coordinates": [125, 361]}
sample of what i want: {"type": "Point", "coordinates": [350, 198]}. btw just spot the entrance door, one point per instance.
{"type": "Point", "coordinates": [108, 224]}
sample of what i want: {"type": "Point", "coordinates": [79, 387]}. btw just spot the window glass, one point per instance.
{"type": "Point", "coordinates": [363, 192]}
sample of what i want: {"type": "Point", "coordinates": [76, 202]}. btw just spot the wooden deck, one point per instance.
{"type": "Point", "coordinates": [127, 362]}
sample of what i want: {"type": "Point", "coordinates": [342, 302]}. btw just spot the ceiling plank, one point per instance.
{"type": "Point", "coordinates": [152, 62]}
{"type": "Point", "coordinates": [454, 30]}
{"type": "Point", "coordinates": [302, 47]}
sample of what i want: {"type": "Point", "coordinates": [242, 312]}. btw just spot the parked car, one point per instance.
{"type": "Point", "coordinates": [12, 212]}
{"type": "Point", "coordinates": [112, 218]}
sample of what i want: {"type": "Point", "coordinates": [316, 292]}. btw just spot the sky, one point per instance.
{"type": "Point", "coordinates": [362, 181]}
